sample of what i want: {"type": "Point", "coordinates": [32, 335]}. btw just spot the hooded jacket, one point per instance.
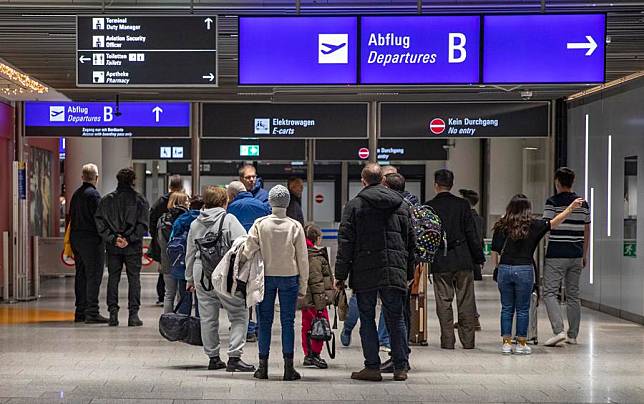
{"type": "Point", "coordinates": [251, 274]}
{"type": "Point", "coordinates": [259, 192]}
{"type": "Point", "coordinates": [208, 221]}
{"type": "Point", "coordinates": [174, 214]}
{"type": "Point", "coordinates": [320, 292]}
{"type": "Point", "coordinates": [156, 211]}
{"type": "Point", "coordinates": [247, 209]}
{"type": "Point", "coordinates": [376, 241]}
{"type": "Point", "coordinates": [123, 212]}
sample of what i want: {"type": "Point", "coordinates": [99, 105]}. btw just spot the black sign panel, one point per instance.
{"type": "Point", "coordinates": [294, 121]}
{"type": "Point", "coordinates": [130, 51]}
{"type": "Point", "coordinates": [252, 149]}
{"type": "Point", "coordinates": [388, 150]}
{"type": "Point", "coordinates": [161, 149]}
{"type": "Point", "coordinates": [464, 120]}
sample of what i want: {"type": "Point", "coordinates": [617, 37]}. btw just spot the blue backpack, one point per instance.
{"type": "Point", "coordinates": [177, 254]}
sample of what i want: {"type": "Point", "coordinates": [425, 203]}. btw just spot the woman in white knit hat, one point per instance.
{"type": "Point", "coordinates": [282, 243]}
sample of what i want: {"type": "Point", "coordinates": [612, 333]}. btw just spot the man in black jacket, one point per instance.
{"type": "Point", "coordinates": [295, 187]}
{"type": "Point", "coordinates": [376, 243]}
{"type": "Point", "coordinates": [88, 247]}
{"type": "Point", "coordinates": [453, 271]}
{"type": "Point", "coordinates": [122, 221]}
{"type": "Point", "coordinates": [158, 209]}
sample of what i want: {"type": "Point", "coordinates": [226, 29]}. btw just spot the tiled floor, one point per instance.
{"type": "Point", "coordinates": [58, 361]}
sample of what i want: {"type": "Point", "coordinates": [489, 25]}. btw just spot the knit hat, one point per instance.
{"type": "Point", "coordinates": [279, 197]}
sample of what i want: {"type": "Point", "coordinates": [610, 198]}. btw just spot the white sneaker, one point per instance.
{"type": "Point", "coordinates": [571, 341]}
{"type": "Point", "coordinates": [523, 350]}
{"type": "Point", "coordinates": [507, 348]}
{"type": "Point", "coordinates": [561, 337]}
{"type": "Point", "coordinates": [385, 349]}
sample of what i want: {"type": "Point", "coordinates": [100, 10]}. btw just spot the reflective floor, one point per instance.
{"type": "Point", "coordinates": [44, 357]}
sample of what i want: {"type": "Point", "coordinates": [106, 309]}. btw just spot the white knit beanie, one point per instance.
{"type": "Point", "coordinates": [279, 197]}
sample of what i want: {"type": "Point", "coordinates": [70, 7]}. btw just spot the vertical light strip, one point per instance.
{"type": "Point", "coordinates": [591, 247]}
{"type": "Point", "coordinates": [586, 162]}
{"type": "Point", "coordinates": [610, 186]}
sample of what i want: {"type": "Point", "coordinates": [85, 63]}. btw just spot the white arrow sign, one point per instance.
{"type": "Point", "coordinates": [157, 110]}
{"type": "Point", "coordinates": [210, 77]}
{"type": "Point", "coordinates": [84, 59]}
{"type": "Point", "coordinates": [591, 45]}
{"type": "Point", "coordinates": [208, 22]}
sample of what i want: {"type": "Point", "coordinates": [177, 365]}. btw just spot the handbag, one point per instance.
{"type": "Point", "coordinates": [341, 304]}
{"type": "Point", "coordinates": [321, 331]}
{"type": "Point", "coordinates": [180, 327]}
{"type": "Point", "coordinates": [495, 274]}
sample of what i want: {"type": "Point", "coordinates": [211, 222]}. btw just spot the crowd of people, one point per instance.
{"type": "Point", "coordinates": [241, 248]}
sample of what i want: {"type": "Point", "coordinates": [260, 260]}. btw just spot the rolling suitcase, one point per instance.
{"type": "Point", "coordinates": [418, 306]}
{"type": "Point", "coordinates": [533, 334]}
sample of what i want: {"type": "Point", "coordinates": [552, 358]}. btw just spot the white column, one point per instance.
{"type": "Point", "coordinates": [79, 152]}
{"type": "Point", "coordinates": [117, 154]}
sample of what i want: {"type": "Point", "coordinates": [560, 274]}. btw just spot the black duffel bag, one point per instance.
{"type": "Point", "coordinates": [180, 327]}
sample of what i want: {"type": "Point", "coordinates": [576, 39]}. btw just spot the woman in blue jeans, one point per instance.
{"type": "Point", "coordinates": [516, 236]}
{"type": "Point", "coordinates": [282, 243]}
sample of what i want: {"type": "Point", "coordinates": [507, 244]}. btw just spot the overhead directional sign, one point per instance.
{"type": "Point", "coordinates": [297, 50]}
{"type": "Point", "coordinates": [295, 121]}
{"type": "Point", "coordinates": [161, 149]}
{"type": "Point", "coordinates": [99, 119]}
{"type": "Point", "coordinates": [146, 51]}
{"type": "Point", "coordinates": [255, 149]}
{"type": "Point", "coordinates": [426, 120]}
{"type": "Point", "coordinates": [419, 50]}
{"type": "Point", "coordinates": [545, 48]}
{"type": "Point", "coordinates": [387, 150]}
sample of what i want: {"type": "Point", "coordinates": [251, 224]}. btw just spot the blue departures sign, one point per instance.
{"type": "Point", "coordinates": [564, 48]}
{"type": "Point", "coordinates": [98, 119]}
{"type": "Point", "coordinates": [294, 50]}
{"type": "Point", "coordinates": [419, 50]}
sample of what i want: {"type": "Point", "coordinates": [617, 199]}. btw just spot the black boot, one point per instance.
{"type": "Point", "coordinates": [114, 318]}
{"type": "Point", "coordinates": [79, 317]}
{"type": "Point", "coordinates": [262, 371]}
{"type": "Point", "coordinates": [216, 363]}
{"type": "Point", "coordinates": [290, 373]}
{"type": "Point", "coordinates": [134, 320]}
{"type": "Point", "coordinates": [96, 319]}
{"type": "Point", "coordinates": [238, 365]}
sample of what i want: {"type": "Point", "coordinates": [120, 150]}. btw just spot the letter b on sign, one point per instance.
{"type": "Point", "coordinates": [457, 52]}
{"type": "Point", "coordinates": [108, 116]}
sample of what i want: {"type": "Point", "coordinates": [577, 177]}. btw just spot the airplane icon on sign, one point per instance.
{"type": "Point", "coordinates": [331, 48]}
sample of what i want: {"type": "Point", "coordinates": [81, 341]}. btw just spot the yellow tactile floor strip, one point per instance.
{"type": "Point", "coordinates": [17, 315]}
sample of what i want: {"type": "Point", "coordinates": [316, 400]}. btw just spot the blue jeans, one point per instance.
{"type": "Point", "coordinates": [186, 305]}
{"type": "Point", "coordinates": [393, 306]}
{"type": "Point", "coordinates": [286, 287]}
{"type": "Point", "coordinates": [352, 321]}
{"type": "Point", "coordinates": [515, 284]}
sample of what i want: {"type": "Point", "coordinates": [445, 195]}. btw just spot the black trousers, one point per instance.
{"type": "Point", "coordinates": [132, 264]}
{"type": "Point", "coordinates": [461, 284]}
{"type": "Point", "coordinates": [89, 258]}
{"type": "Point", "coordinates": [160, 288]}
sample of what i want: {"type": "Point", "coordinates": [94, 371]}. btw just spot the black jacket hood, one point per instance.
{"type": "Point", "coordinates": [381, 197]}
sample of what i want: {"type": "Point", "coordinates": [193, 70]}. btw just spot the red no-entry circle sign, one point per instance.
{"type": "Point", "coordinates": [363, 153]}
{"type": "Point", "coordinates": [319, 198]}
{"type": "Point", "coordinates": [437, 126]}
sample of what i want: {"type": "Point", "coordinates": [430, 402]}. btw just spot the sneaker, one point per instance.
{"type": "Point", "coordinates": [387, 367]}
{"type": "Point", "coordinates": [345, 338]}
{"type": "Point", "coordinates": [314, 361]}
{"type": "Point", "coordinates": [554, 341]}
{"type": "Point", "coordinates": [522, 349]}
{"type": "Point", "coordinates": [571, 341]}
{"type": "Point", "coordinates": [507, 346]}
{"type": "Point", "coordinates": [251, 337]}
{"type": "Point", "coordinates": [238, 365]}
{"type": "Point", "coordinates": [366, 374]}
{"type": "Point", "coordinates": [96, 319]}
{"type": "Point", "coordinates": [384, 348]}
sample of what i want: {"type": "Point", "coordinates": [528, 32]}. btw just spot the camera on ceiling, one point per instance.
{"type": "Point", "coordinates": [526, 95]}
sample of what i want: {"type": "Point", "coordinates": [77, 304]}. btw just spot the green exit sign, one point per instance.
{"type": "Point", "coordinates": [630, 248]}
{"type": "Point", "coordinates": [249, 150]}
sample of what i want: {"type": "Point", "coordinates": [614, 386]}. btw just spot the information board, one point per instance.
{"type": "Point", "coordinates": [161, 149]}
{"type": "Point", "coordinates": [546, 48]}
{"type": "Point", "coordinates": [419, 50]}
{"type": "Point", "coordinates": [146, 51]}
{"type": "Point", "coordinates": [100, 119]}
{"type": "Point", "coordinates": [298, 50]}
{"type": "Point", "coordinates": [295, 121]}
{"type": "Point", "coordinates": [464, 120]}
{"type": "Point", "coordinates": [252, 149]}
{"type": "Point", "coordinates": [388, 150]}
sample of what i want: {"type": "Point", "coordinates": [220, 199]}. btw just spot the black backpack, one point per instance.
{"type": "Point", "coordinates": [212, 248]}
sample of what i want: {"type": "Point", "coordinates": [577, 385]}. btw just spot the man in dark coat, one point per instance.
{"type": "Point", "coordinates": [158, 209]}
{"type": "Point", "coordinates": [452, 270]}
{"type": "Point", "coordinates": [376, 243]}
{"type": "Point", "coordinates": [88, 247]}
{"type": "Point", "coordinates": [122, 222]}
{"type": "Point", "coordinates": [295, 187]}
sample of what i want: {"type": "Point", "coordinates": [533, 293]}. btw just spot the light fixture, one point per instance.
{"type": "Point", "coordinates": [21, 80]}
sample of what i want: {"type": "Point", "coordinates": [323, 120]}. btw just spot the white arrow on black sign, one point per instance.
{"type": "Point", "coordinates": [591, 45]}
{"type": "Point", "coordinates": [157, 111]}
{"type": "Point", "coordinates": [208, 22]}
{"type": "Point", "coordinates": [210, 77]}
{"type": "Point", "coordinates": [84, 59]}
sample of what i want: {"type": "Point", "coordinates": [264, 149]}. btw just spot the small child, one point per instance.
{"type": "Point", "coordinates": [319, 295]}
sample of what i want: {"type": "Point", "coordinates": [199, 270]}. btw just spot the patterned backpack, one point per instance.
{"type": "Point", "coordinates": [430, 236]}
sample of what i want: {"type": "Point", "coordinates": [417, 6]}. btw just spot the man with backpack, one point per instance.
{"type": "Point", "coordinates": [211, 235]}
{"type": "Point", "coordinates": [452, 268]}
{"type": "Point", "coordinates": [376, 253]}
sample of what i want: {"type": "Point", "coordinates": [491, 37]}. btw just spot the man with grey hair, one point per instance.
{"type": "Point", "coordinates": [87, 246]}
{"type": "Point", "coordinates": [233, 189]}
